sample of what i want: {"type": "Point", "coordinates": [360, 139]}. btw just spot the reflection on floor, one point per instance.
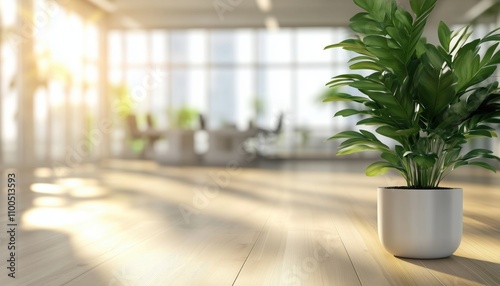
{"type": "Point", "coordinates": [302, 223]}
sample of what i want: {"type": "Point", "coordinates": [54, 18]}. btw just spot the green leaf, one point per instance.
{"type": "Point", "coordinates": [364, 4]}
{"type": "Point", "coordinates": [403, 17]}
{"type": "Point", "coordinates": [391, 158]}
{"type": "Point", "coordinates": [368, 142]}
{"type": "Point", "coordinates": [459, 164]}
{"type": "Point", "coordinates": [433, 57]}
{"type": "Point", "coordinates": [399, 36]}
{"type": "Point", "coordinates": [446, 57]}
{"type": "Point", "coordinates": [476, 153]}
{"type": "Point", "coordinates": [480, 133]}
{"type": "Point", "coordinates": [399, 150]}
{"type": "Point", "coordinates": [469, 68]}
{"type": "Point", "coordinates": [363, 16]}
{"type": "Point", "coordinates": [388, 131]}
{"type": "Point", "coordinates": [484, 127]}
{"type": "Point", "coordinates": [416, 6]}
{"type": "Point", "coordinates": [369, 135]}
{"type": "Point", "coordinates": [444, 34]}
{"type": "Point", "coordinates": [354, 149]}
{"type": "Point", "coordinates": [350, 76]}
{"type": "Point", "coordinates": [378, 9]}
{"type": "Point", "coordinates": [349, 112]}
{"type": "Point", "coordinates": [394, 107]}
{"type": "Point", "coordinates": [362, 58]}
{"type": "Point", "coordinates": [367, 27]}
{"type": "Point", "coordinates": [354, 141]}
{"type": "Point", "coordinates": [489, 54]}
{"type": "Point", "coordinates": [392, 133]}
{"type": "Point", "coordinates": [408, 132]}
{"type": "Point", "coordinates": [495, 59]}
{"type": "Point", "coordinates": [491, 36]}
{"type": "Point", "coordinates": [344, 97]}
{"type": "Point", "coordinates": [353, 45]}
{"type": "Point", "coordinates": [347, 134]}
{"type": "Point", "coordinates": [371, 121]}
{"type": "Point", "coordinates": [378, 168]}
{"type": "Point", "coordinates": [425, 161]}
{"type": "Point", "coordinates": [422, 7]}
{"type": "Point", "coordinates": [375, 41]}
{"type": "Point", "coordinates": [452, 156]}
{"type": "Point", "coordinates": [482, 75]}
{"type": "Point", "coordinates": [366, 66]}
{"type": "Point", "coordinates": [436, 89]}
{"type": "Point", "coordinates": [368, 85]}
{"type": "Point", "coordinates": [484, 165]}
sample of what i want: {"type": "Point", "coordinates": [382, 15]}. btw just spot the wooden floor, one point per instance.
{"type": "Point", "coordinates": [135, 223]}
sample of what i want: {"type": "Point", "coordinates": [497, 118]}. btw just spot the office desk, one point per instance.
{"type": "Point", "coordinates": [181, 150]}
{"type": "Point", "coordinates": [227, 146]}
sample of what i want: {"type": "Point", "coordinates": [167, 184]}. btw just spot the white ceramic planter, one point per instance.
{"type": "Point", "coordinates": [424, 224]}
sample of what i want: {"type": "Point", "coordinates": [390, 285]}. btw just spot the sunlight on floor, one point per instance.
{"type": "Point", "coordinates": [48, 189]}
{"type": "Point", "coordinates": [49, 202]}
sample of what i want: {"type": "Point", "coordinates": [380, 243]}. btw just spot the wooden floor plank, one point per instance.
{"type": "Point", "coordinates": [297, 257]}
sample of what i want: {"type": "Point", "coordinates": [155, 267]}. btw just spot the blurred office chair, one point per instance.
{"type": "Point", "coordinates": [132, 128]}
{"type": "Point", "coordinates": [268, 139]}
{"type": "Point", "coordinates": [152, 134]}
{"type": "Point", "coordinates": [202, 121]}
{"type": "Point", "coordinates": [133, 134]}
{"type": "Point", "coordinates": [149, 136]}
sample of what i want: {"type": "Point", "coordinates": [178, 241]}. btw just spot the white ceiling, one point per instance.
{"type": "Point", "coordinates": [151, 14]}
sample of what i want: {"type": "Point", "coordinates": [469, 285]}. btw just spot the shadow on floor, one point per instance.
{"type": "Point", "coordinates": [470, 269]}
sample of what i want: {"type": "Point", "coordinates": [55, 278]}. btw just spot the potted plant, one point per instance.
{"type": "Point", "coordinates": [430, 99]}
{"type": "Point", "coordinates": [183, 118]}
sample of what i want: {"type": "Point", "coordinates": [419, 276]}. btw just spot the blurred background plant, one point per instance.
{"type": "Point", "coordinates": [183, 118]}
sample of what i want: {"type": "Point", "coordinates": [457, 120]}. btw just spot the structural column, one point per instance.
{"type": "Point", "coordinates": [26, 85]}
{"type": "Point", "coordinates": [105, 113]}
{"type": "Point", "coordinates": [1, 86]}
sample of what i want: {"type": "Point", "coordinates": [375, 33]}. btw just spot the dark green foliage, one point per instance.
{"type": "Point", "coordinates": [428, 98]}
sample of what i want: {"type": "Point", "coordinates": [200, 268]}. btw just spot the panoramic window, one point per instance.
{"type": "Point", "coordinates": [235, 78]}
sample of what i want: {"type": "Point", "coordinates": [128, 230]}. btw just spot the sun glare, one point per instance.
{"type": "Point", "coordinates": [88, 192]}
{"type": "Point", "coordinates": [49, 202]}
{"type": "Point", "coordinates": [48, 189]}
